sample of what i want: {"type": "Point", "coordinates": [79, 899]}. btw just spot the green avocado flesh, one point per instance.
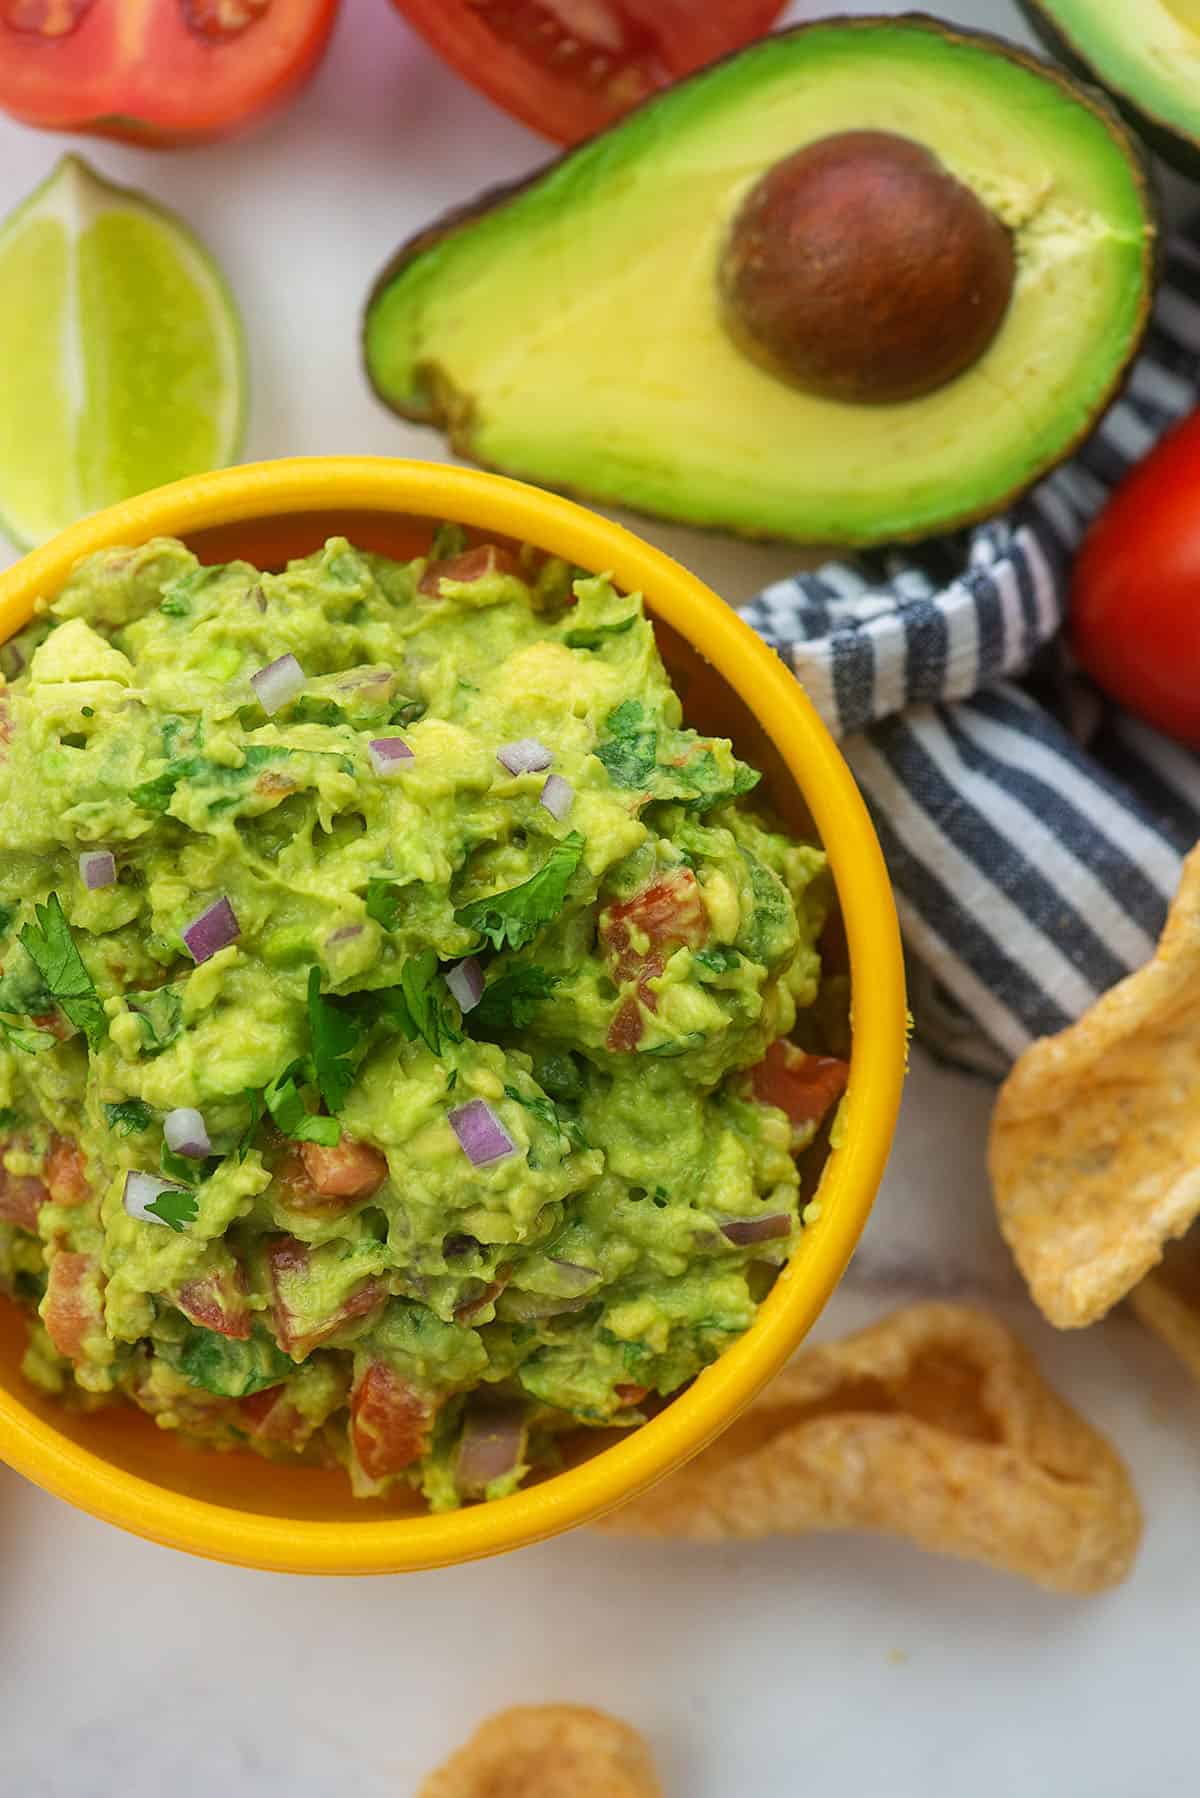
{"type": "Point", "coordinates": [569, 332]}
{"type": "Point", "coordinates": [333, 1277]}
{"type": "Point", "coordinates": [1147, 55]}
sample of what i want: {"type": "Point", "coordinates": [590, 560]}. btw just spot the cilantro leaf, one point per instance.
{"type": "Point", "coordinates": [160, 1011]}
{"type": "Point", "coordinates": [29, 1042]}
{"type": "Point", "coordinates": [415, 1007]}
{"type": "Point", "coordinates": [285, 1102]}
{"type": "Point", "coordinates": [8, 1117]}
{"type": "Point", "coordinates": [226, 1365]}
{"type": "Point", "coordinates": [258, 1107]}
{"type": "Point", "coordinates": [383, 902]}
{"type": "Point", "coordinates": [548, 1113]}
{"type": "Point", "coordinates": [177, 1207]}
{"type": "Point", "coordinates": [592, 636]}
{"type": "Point", "coordinates": [129, 1117]}
{"type": "Point", "coordinates": [155, 795]}
{"type": "Point", "coordinates": [335, 1036]}
{"type": "Point", "coordinates": [509, 1002]}
{"type": "Point", "coordinates": [718, 958]}
{"type": "Point", "coordinates": [631, 751]}
{"type": "Point", "coordinates": [7, 914]}
{"type": "Point", "coordinates": [51, 947]}
{"type": "Point", "coordinates": [512, 918]}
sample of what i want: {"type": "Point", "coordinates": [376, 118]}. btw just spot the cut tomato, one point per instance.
{"type": "Point", "coordinates": [21, 1198]}
{"type": "Point", "coordinates": [803, 1086]}
{"type": "Point", "coordinates": [570, 67]}
{"type": "Point", "coordinates": [66, 1173]}
{"type": "Point", "coordinates": [298, 1328]}
{"type": "Point", "coordinates": [667, 915]}
{"type": "Point", "coordinates": [217, 1301]}
{"type": "Point", "coordinates": [156, 71]}
{"type": "Point", "coordinates": [389, 1422]}
{"type": "Point", "coordinates": [73, 1308]}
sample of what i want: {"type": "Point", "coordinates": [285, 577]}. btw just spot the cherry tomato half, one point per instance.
{"type": "Point", "coordinates": [156, 71]}
{"type": "Point", "coordinates": [570, 67]}
{"type": "Point", "coordinates": [1135, 596]}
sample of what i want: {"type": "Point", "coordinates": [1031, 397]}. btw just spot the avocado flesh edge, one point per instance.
{"type": "Point", "coordinates": [569, 332]}
{"type": "Point", "coordinates": [1150, 66]}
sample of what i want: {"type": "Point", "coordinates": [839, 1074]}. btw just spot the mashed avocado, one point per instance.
{"type": "Point", "coordinates": [389, 1044]}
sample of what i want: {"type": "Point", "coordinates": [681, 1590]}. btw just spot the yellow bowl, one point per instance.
{"type": "Point", "coordinates": [235, 1507]}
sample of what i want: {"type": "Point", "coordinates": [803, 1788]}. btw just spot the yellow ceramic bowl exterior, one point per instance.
{"type": "Point", "coordinates": [235, 1508]}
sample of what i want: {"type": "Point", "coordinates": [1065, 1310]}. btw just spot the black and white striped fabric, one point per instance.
{"type": "Point", "coordinates": [1034, 831]}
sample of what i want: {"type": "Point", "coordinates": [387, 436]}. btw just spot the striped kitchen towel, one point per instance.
{"type": "Point", "coordinates": [1034, 830]}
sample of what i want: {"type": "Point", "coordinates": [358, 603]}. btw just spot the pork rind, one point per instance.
{"type": "Point", "coordinates": [549, 1751]}
{"type": "Point", "coordinates": [1095, 1142]}
{"type": "Point", "coordinates": [934, 1424]}
{"type": "Point", "coordinates": [1168, 1301]}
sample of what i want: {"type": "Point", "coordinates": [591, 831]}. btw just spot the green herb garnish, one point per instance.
{"type": "Point", "coordinates": [129, 1117]}
{"type": "Point", "coordinates": [512, 918]}
{"type": "Point", "coordinates": [592, 636]}
{"type": "Point", "coordinates": [51, 947]}
{"type": "Point", "coordinates": [509, 1002]}
{"type": "Point", "coordinates": [334, 1036]}
{"type": "Point", "coordinates": [177, 1207]}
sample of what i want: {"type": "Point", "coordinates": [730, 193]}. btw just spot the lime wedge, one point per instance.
{"type": "Point", "coordinates": [121, 348]}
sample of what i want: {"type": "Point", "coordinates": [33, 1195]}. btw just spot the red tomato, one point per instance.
{"type": "Point", "coordinates": [350, 1170]}
{"type": "Point", "coordinates": [66, 1173]}
{"type": "Point", "coordinates": [270, 1416]}
{"type": "Point", "coordinates": [389, 1422]}
{"type": "Point", "coordinates": [669, 914]}
{"type": "Point", "coordinates": [478, 564]}
{"type": "Point", "coordinates": [288, 1266]}
{"type": "Point", "coordinates": [569, 67]}
{"type": "Point", "coordinates": [803, 1086]}
{"type": "Point", "coordinates": [217, 1301]}
{"type": "Point", "coordinates": [74, 1307]}
{"type": "Point", "coordinates": [159, 71]}
{"type": "Point", "coordinates": [21, 1198]}
{"type": "Point", "coordinates": [1135, 597]}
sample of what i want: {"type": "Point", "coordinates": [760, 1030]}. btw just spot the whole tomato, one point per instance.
{"type": "Point", "coordinates": [1135, 596]}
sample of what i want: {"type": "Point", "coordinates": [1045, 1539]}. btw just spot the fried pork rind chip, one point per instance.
{"type": "Point", "coordinates": [549, 1751]}
{"type": "Point", "coordinates": [934, 1424]}
{"type": "Point", "coordinates": [1095, 1142]}
{"type": "Point", "coordinates": [1168, 1301]}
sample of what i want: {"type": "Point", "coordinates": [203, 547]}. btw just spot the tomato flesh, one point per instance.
{"type": "Point", "coordinates": [669, 914]}
{"type": "Point", "coordinates": [570, 67]}
{"type": "Point", "coordinates": [160, 71]}
{"type": "Point", "coordinates": [389, 1422]}
{"type": "Point", "coordinates": [1135, 593]}
{"type": "Point", "coordinates": [803, 1086]}
{"type": "Point", "coordinates": [217, 1301]}
{"type": "Point", "coordinates": [73, 1308]}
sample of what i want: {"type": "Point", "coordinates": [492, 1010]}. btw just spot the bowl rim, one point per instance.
{"type": "Point", "coordinates": [494, 503]}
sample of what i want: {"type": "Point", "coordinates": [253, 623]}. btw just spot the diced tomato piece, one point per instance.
{"type": "Point", "coordinates": [470, 1309]}
{"type": "Point", "coordinates": [350, 1170]}
{"type": "Point", "coordinates": [21, 1198]}
{"type": "Point", "coordinates": [288, 1265]}
{"type": "Point", "coordinates": [472, 565]}
{"type": "Point", "coordinates": [66, 1173]}
{"type": "Point", "coordinates": [630, 1394]}
{"type": "Point", "coordinates": [803, 1086]}
{"type": "Point", "coordinates": [217, 1301]}
{"type": "Point", "coordinates": [670, 914]}
{"type": "Point", "coordinates": [73, 1308]}
{"type": "Point", "coordinates": [271, 1416]}
{"type": "Point", "coordinates": [389, 1422]}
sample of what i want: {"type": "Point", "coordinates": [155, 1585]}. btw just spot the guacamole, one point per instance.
{"type": "Point", "coordinates": [392, 1004]}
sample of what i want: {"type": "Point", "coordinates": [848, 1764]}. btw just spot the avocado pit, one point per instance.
{"type": "Point", "coordinates": [861, 270]}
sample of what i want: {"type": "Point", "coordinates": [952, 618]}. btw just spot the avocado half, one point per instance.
{"type": "Point", "coordinates": [1148, 57]}
{"type": "Point", "coordinates": [570, 329]}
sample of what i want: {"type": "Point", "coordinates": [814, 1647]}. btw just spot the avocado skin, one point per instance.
{"type": "Point", "coordinates": [1082, 88]}
{"type": "Point", "coordinates": [1183, 153]}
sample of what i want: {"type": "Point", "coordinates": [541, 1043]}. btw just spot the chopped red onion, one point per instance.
{"type": "Point", "coordinates": [388, 755]}
{"type": "Point", "coordinates": [574, 1277]}
{"type": "Point", "coordinates": [186, 1133]}
{"type": "Point", "coordinates": [744, 1230]}
{"type": "Point", "coordinates": [526, 756]}
{"type": "Point", "coordinates": [141, 1190]}
{"type": "Point", "coordinates": [214, 929]}
{"type": "Point", "coordinates": [491, 1445]}
{"type": "Point", "coordinates": [278, 683]}
{"type": "Point", "coordinates": [481, 1135]}
{"type": "Point", "coordinates": [558, 796]}
{"type": "Point", "coordinates": [465, 981]}
{"type": "Point", "coordinates": [97, 868]}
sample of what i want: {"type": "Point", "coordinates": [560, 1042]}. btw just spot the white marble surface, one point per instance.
{"type": "Point", "coordinates": [842, 1665]}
